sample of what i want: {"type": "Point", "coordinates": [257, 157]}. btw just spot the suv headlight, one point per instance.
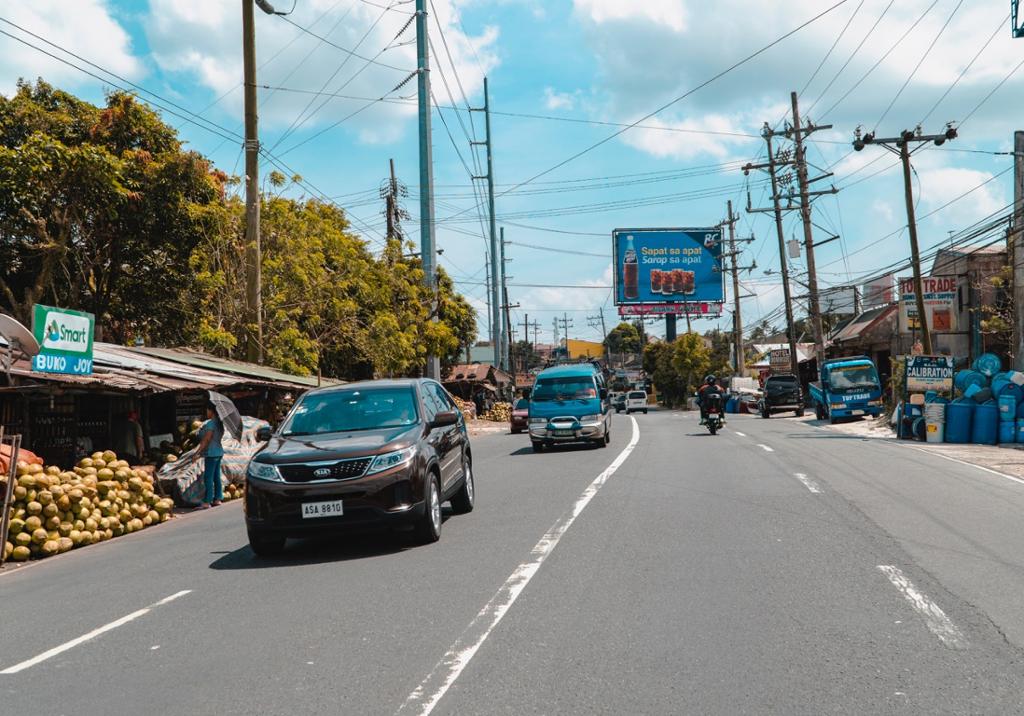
{"type": "Point", "coordinates": [391, 459]}
{"type": "Point", "coordinates": [263, 471]}
{"type": "Point", "coordinates": [590, 419]}
{"type": "Point", "coordinates": [538, 421]}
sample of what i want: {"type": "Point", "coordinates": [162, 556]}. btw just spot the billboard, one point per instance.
{"type": "Point", "coordinates": [65, 340]}
{"type": "Point", "coordinates": [878, 292]}
{"type": "Point", "coordinates": [941, 304]}
{"type": "Point", "coordinates": [838, 301]}
{"type": "Point", "coordinates": [667, 266]}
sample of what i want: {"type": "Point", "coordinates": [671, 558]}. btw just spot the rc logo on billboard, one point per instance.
{"type": "Point", "coordinates": [66, 332]}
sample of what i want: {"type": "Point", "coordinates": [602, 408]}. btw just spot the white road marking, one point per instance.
{"type": "Point", "coordinates": [91, 635]}
{"type": "Point", "coordinates": [964, 462]}
{"type": "Point", "coordinates": [742, 435]}
{"type": "Point", "coordinates": [936, 619]}
{"type": "Point", "coordinates": [426, 696]}
{"type": "Point", "coordinates": [808, 482]}
{"type": "Point", "coordinates": [765, 447]}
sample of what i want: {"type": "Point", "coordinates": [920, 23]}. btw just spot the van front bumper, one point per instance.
{"type": "Point", "coordinates": [562, 432]}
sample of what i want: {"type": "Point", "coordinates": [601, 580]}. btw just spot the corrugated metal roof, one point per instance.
{"type": "Point", "coordinates": [260, 373]}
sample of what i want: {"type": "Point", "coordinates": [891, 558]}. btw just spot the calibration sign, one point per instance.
{"type": "Point", "coordinates": [926, 373]}
{"type": "Point", "coordinates": [65, 340]}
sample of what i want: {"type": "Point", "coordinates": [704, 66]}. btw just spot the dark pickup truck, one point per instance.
{"type": "Point", "coordinates": [781, 393]}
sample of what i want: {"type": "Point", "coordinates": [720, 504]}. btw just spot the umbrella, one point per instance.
{"type": "Point", "coordinates": [228, 414]}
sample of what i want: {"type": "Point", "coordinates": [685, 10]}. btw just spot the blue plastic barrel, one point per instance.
{"type": "Point", "coordinates": [988, 364]}
{"type": "Point", "coordinates": [1007, 432]}
{"type": "Point", "coordinates": [998, 383]}
{"type": "Point", "coordinates": [959, 420]}
{"type": "Point", "coordinates": [985, 427]}
{"type": "Point", "coordinates": [966, 378]}
{"type": "Point", "coordinates": [1007, 408]}
{"type": "Point", "coordinates": [983, 395]}
{"type": "Point", "coordinates": [1012, 389]}
{"type": "Point", "coordinates": [1020, 431]}
{"type": "Point", "coordinates": [1014, 376]}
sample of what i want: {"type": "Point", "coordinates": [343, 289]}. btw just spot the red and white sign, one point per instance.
{"type": "Point", "coordinates": [940, 304]}
{"type": "Point", "coordinates": [700, 310]}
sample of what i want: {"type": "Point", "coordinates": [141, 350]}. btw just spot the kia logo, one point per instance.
{"type": "Point", "coordinates": [322, 472]}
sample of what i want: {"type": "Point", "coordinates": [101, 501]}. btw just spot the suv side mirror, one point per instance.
{"type": "Point", "coordinates": [444, 419]}
{"type": "Point", "coordinates": [264, 434]}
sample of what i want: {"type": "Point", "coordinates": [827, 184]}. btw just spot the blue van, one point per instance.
{"type": "Point", "coordinates": [569, 404]}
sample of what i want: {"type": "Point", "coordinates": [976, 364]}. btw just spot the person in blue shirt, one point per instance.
{"type": "Point", "coordinates": [211, 450]}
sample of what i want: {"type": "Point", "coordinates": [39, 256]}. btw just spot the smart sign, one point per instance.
{"type": "Point", "coordinates": [65, 340]}
{"type": "Point", "coordinates": [668, 266]}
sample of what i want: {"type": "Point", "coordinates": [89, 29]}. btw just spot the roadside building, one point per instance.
{"type": "Point", "coordinates": [479, 383]}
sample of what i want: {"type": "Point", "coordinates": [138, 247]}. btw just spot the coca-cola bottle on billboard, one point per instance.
{"type": "Point", "coordinates": [630, 272]}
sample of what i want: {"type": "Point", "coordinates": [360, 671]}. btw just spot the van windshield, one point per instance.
{"type": "Point", "coordinates": [569, 388]}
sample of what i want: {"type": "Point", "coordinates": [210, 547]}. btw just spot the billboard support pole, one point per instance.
{"type": "Point", "coordinates": [670, 327]}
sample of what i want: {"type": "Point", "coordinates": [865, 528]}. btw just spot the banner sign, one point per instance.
{"type": "Point", "coordinates": [65, 340]}
{"type": "Point", "coordinates": [926, 373]}
{"type": "Point", "coordinates": [878, 292]}
{"type": "Point", "coordinates": [697, 310]}
{"type": "Point", "coordinates": [940, 304]}
{"type": "Point", "coordinates": [778, 359]}
{"type": "Point", "coordinates": [668, 266]}
{"type": "Point", "coordinates": [838, 301]}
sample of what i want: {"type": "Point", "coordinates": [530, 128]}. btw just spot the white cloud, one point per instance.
{"type": "Point", "coordinates": [671, 13]}
{"type": "Point", "coordinates": [883, 209]}
{"type": "Point", "coordinates": [685, 139]}
{"type": "Point", "coordinates": [558, 100]}
{"type": "Point", "coordinates": [939, 186]}
{"type": "Point", "coordinates": [85, 27]}
{"type": "Point", "coordinates": [201, 40]}
{"type": "Point", "coordinates": [548, 298]}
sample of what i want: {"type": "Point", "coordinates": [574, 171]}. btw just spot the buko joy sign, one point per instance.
{"type": "Point", "coordinates": [65, 340]}
{"type": "Point", "coordinates": [665, 266]}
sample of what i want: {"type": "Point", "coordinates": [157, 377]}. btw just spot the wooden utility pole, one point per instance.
{"type": "Point", "coordinates": [901, 146]}
{"type": "Point", "coordinates": [1017, 250]}
{"type": "Point", "coordinates": [737, 322]}
{"type": "Point", "coordinates": [253, 252]}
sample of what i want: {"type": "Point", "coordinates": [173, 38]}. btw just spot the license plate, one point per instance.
{"type": "Point", "coordinates": [856, 412]}
{"type": "Point", "coordinates": [321, 509]}
{"type": "Point", "coordinates": [563, 433]}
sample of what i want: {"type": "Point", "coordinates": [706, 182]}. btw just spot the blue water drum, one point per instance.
{"type": "Point", "coordinates": [982, 395]}
{"type": "Point", "coordinates": [966, 378]}
{"type": "Point", "coordinates": [1007, 408]}
{"type": "Point", "coordinates": [998, 383]}
{"type": "Point", "coordinates": [959, 420]}
{"type": "Point", "coordinates": [1011, 389]}
{"type": "Point", "coordinates": [1020, 431]}
{"type": "Point", "coordinates": [1014, 376]}
{"type": "Point", "coordinates": [988, 364]}
{"type": "Point", "coordinates": [1007, 432]}
{"type": "Point", "coordinates": [985, 427]}
{"type": "Point", "coordinates": [730, 406]}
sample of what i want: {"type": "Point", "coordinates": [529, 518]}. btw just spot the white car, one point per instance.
{"type": "Point", "coordinates": [636, 400]}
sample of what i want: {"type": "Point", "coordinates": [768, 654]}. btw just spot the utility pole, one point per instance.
{"type": "Point", "coordinates": [598, 322]}
{"type": "Point", "coordinates": [506, 323]}
{"type": "Point", "coordinates": [566, 325]}
{"type": "Point", "coordinates": [773, 163]}
{"type": "Point", "coordinates": [392, 191]}
{"type": "Point", "coordinates": [428, 247]}
{"type": "Point", "coordinates": [902, 149]}
{"type": "Point", "coordinates": [253, 251]}
{"type": "Point", "coordinates": [1017, 250]}
{"type": "Point", "coordinates": [495, 301]}
{"type": "Point", "coordinates": [814, 308]}
{"type": "Point", "coordinates": [737, 322]}
{"type": "Point", "coordinates": [487, 269]}
{"type": "Point", "coordinates": [554, 332]}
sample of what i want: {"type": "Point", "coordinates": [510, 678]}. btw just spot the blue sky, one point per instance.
{"type": "Point", "coordinates": [591, 60]}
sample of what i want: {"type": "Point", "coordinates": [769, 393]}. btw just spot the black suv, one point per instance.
{"type": "Point", "coordinates": [385, 452]}
{"type": "Point", "coordinates": [781, 393]}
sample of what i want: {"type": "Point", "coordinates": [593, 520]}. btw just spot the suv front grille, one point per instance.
{"type": "Point", "coordinates": [341, 470]}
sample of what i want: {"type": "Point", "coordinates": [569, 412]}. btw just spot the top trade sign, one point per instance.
{"type": "Point", "coordinates": [668, 266]}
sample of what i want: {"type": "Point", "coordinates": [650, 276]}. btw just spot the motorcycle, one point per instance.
{"type": "Point", "coordinates": [715, 419]}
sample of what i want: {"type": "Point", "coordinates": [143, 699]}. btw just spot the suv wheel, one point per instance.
{"type": "Point", "coordinates": [266, 545]}
{"type": "Point", "coordinates": [428, 527]}
{"type": "Point", "coordinates": [463, 500]}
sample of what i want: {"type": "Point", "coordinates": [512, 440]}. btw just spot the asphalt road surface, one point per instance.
{"type": "Point", "coordinates": [774, 568]}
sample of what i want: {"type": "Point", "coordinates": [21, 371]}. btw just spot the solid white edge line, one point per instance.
{"type": "Point", "coordinates": [742, 435]}
{"type": "Point", "coordinates": [765, 447]}
{"type": "Point", "coordinates": [91, 635]}
{"type": "Point", "coordinates": [426, 696]}
{"type": "Point", "coordinates": [808, 482]}
{"type": "Point", "coordinates": [926, 451]}
{"type": "Point", "coordinates": [938, 623]}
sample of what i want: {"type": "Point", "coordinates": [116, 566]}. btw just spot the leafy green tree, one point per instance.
{"type": "Point", "coordinates": [657, 363]}
{"type": "Point", "coordinates": [624, 338]}
{"type": "Point", "coordinates": [721, 352]}
{"type": "Point", "coordinates": [691, 359]}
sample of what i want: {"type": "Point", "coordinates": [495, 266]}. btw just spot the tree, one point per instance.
{"type": "Point", "coordinates": [721, 353]}
{"type": "Point", "coordinates": [691, 359]}
{"type": "Point", "coordinates": [657, 363]}
{"type": "Point", "coordinates": [624, 338]}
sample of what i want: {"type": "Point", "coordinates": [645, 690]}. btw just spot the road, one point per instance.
{"type": "Point", "coordinates": [775, 568]}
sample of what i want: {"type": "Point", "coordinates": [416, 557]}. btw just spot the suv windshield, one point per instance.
{"type": "Point", "coordinates": [352, 409]}
{"type": "Point", "coordinates": [580, 388]}
{"type": "Point", "coordinates": [853, 377]}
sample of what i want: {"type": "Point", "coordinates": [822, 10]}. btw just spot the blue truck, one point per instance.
{"type": "Point", "coordinates": [848, 387]}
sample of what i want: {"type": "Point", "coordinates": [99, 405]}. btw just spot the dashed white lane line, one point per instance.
{"type": "Point", "coordinates": [765, 447]}
{"type": "Point", "coordinates": [808, 482]}
{"type": "Point", "coordinates": [92, 635]}
{"type": "Point", "coordinates": [426, 696]}
{"type": "Point", "coordinates": [936, 619]}
{"type": "Point", "coordinates": [742, 435]}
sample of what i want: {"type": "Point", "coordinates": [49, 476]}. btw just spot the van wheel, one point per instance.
{"type": "Point", "coordinates": [538, 446]}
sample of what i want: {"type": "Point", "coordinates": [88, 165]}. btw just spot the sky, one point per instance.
{"type": "Point", "coordinates": [567, 79]}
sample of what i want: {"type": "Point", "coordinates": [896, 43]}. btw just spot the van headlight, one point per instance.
{"type": "Point", "coordinates": [538, 421]}
{"type": "Point", "coordinates": [263, 471]}
{"type": "Point", "coordinates": [391, 459]}
{"type": "Point", "coordinates": [590, 419]}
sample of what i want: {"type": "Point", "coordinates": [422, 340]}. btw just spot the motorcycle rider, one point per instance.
{"type": "Point", "coordinates": [710, 387]}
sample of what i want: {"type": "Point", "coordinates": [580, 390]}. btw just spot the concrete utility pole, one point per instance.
{"type": "Point", "coordinates": [902, 149]}
{"type": "Point", "coordinates": [428, 247]}
{"type": "Point", "coordinates": [814, 308]}
{"type": "Point", "coordinates": [253, 252]}
{"type": "Point", "coordinates": [566, 325]}
{"type": "Point", "coordinates": [737, 323]}
{"type": "Point", "coordinates": [506, 322]}
{"type": "Point", "coordinates": [1017, 250]}
{"type": "Point", "coordinates": [773, 163]}
{"type": "Point", "coordinates": [495, 301]}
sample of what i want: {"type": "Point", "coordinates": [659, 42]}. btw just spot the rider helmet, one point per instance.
{"type": "Point", "coordinates": [710, 380]}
